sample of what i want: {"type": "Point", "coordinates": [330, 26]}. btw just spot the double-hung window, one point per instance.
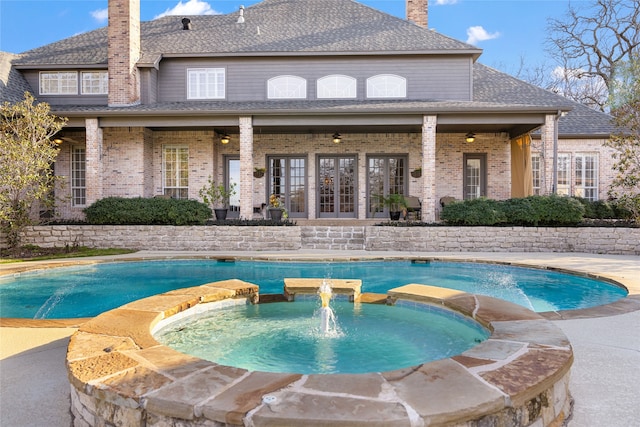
{"type": "Point", "coordinates": [586, 184]}
{"type": "Point", "coordinates": [206, 83]}
{"type": "Point", "coordinates": [78, 176]}
{"type": "Point", "coordinates": [564, 175]}
{"type": "Point", "coordinates": [175, 171]}
{"type": "Point", "coordinates": [58, 83]}
{"type": "Point", "coordinates": [536, 172]}
{"type": "Point", "coordinates": [95, 82]}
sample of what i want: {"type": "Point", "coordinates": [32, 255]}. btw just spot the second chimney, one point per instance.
{"type": "Point", "coordinates": [417, 12]}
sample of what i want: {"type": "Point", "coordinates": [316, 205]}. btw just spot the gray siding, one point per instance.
{"type": "Point", "coordinates": [33, 78]}
{"type": "Point", "coordinates": [148, 85]}
{"type": "Point", "coordinates": [428, 78]}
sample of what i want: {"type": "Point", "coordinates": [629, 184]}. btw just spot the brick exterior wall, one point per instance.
{"type": "Point", "coordinates": [127, 162]}
{"type": "Point", "coordinates": [417, 12]}
{"type": "Point", "coordinates": [571, 147]}
{"type": "Point", "coordinates": [123, 52]}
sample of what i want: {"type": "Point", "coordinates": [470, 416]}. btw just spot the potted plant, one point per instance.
{"type": "Point", "coordinates": [276, 208]}
{"type": "Point", "coordinates": [395, 203]}
{"type": "Point", "coordinates": [416, 173]}
{"type": "Point", "coordinates": [217, 195]}
{"type": "Point", "coordinates": [258, 172]}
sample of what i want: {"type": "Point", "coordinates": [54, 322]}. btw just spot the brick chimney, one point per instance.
{"type": "Point", "coordinates": [417, 12]}
{"type": "Point", "coordinates": [123, 52]}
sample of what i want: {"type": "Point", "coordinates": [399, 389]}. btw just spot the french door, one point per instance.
{"type": "Point", "coordinates": [337, 187]}
{"type": "Point", "coordinates": [287, 180]}
{"type": "Point", "coordinates": [475, 176]}
{"type": "Point", "coordinates": [386, 175]}
{"type": "Point", "coordinates": [232, 166]}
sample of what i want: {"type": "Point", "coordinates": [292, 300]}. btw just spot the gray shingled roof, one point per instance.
{"type": "Point", "coordinates": [494, 86]}
{"type": "Point", "coordinates": [583, 120]}
{"type": "Point", "coordinates": [271, 27]}
{"type": "Point", "coordinates": [303, 27]}
{"type": "Point", "coordinates": [12, 84]}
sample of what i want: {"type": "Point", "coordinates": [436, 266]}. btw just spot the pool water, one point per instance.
{"type": "Point", "coordinates": [87, 291]}
{"type": "Point", "coordinates": [286, 337]}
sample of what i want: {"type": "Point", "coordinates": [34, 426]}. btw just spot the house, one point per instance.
{"type": "Point", "coordinates": [338, 102]}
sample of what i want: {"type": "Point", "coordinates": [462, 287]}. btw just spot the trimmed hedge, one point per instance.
{"type": "Point", "coordinates": [529, 211]}
{"type": "Point", "coordinates": [153, 211]}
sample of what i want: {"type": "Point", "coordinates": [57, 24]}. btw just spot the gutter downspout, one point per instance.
{"type": "Point", "coordinates": [554, 185]}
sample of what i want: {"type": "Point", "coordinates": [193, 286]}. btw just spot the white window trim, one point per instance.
{"type": "Point", "coordinates": [41, 88]}
{"type": "Point", "coordinates": [207, 73]}
{"type": "Point", "coordinates": [74, 177]}
{"type": "Point", "coordinates": [103, 82]}
{"type": "Point", "coordinates": [579, 190]}
{"type": "Point", "coordinates": [164, 170]}
{"type": "Point", "coordinates": [536, 158]}
{"type": "Point", "coordinates": [387, 80]}
{"type": "Point", "coordinates": [338, 86]}
{"type": "Point", "coordinates": [275, 91]}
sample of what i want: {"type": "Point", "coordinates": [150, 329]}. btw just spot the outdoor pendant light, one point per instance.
{"type": "Point", "coordinates": [336, 138]}
{"type": "Point", "coordinates": [470, 137]}
{"type": "Point", "coordinates": [225, 138]}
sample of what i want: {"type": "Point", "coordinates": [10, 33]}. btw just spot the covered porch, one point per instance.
{"type": "Point", "coordinates": [326, 167]}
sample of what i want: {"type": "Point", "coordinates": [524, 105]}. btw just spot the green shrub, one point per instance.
{"type": "Point", "coordinates": [598, 209]}
{"type": "Point", "coordinates": [556, 210]}
{"type": "Point", "coordinates": [529, 211]}
{"type": "Point", "coordinates": [520, 211]}
{"type": "Point", "coordinates": [153, 211]}
{"type": "Point", "coordinates": [480, 211]}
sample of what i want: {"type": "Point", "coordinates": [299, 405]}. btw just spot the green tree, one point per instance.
{"type": "Point", "coordinates": [27, 154]}
{"type": "Point", "coordinates": [625, 108]}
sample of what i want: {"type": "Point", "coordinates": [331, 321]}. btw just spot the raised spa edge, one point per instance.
{"type": "Point", "coordinates": [120, 375]}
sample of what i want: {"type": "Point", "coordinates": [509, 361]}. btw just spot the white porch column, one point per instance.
{"type": "Point", "coordinates": [93, 158]}
{"type": "Point", "coordinates": [246, 167]}
{"type": "Point", "coordinates": [429, 168]}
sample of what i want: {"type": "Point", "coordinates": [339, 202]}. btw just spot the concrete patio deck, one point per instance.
{"type": "Point", "coordinates": [34, 389]}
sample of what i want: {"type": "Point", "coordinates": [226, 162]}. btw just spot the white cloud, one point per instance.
{"type": "Point", "coordinates": [477, 34]}
{"type": "Point", "coordinates": [191, 7]}
{"type": "Point", "coordinates": [100, 15]}
{"type": "Point", "coordinates": [444, 2]}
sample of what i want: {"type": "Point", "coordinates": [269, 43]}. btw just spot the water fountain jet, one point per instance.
{"type": "Point", "coordinates": [327, 317]}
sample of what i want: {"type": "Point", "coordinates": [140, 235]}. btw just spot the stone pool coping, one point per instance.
{"type": "Point", "coordinates": [120, 373]}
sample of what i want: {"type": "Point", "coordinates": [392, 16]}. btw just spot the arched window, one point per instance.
{"type": "Point", "coordinates": [336, 86]}
{"type": "Point", "coordinates": [286, 87]}
{"type": "Point", "coordinates": [386, 86]}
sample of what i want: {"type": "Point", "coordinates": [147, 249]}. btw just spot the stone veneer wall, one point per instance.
{"type": "Point", "coordinates": [623, 241]}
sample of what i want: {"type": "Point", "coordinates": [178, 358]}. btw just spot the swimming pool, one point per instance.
{"type": "Point", "coordinates": [86, 291]}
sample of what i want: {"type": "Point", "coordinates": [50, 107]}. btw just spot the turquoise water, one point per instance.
{"type": "Point", "coordinates": [86, 291]}
{"type": "Point", "coordinates": [285, 337]}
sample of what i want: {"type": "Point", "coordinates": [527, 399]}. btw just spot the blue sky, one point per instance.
{"type": "Point", "coordinates": [507, 30]}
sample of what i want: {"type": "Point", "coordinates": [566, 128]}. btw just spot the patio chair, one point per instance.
{"type": "Point", "coordinates": [414, 207]}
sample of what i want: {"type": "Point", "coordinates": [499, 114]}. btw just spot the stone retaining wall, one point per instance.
{"type": "Point", "coordinates": [622, 241]}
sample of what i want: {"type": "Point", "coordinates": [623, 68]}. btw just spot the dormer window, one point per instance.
{"type": "Point", "coordinates": [386, 86]}
{"type": "Point", "coordinates": [206, 83]}
{"type": "Point", "coordinates": [58, 83]}
{"type": "Point", "coordinates": [287, 87]}
{"type": "Point", "coordinates": [336, 86]}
